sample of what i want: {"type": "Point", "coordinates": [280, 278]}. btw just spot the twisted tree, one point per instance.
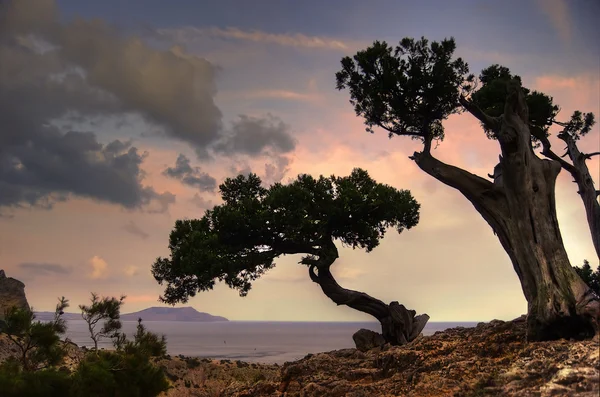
{"type": "Point", "coordinates": [543, 114]}
{"type": "Point", "coordinates": [411, 89]}
{"type": "Point", "coordinates": [237, 242]}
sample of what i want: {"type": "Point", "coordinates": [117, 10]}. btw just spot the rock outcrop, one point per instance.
{"type": "Point", "coordinates": [12, 293]}
{"type": "Point", "coordinates": [365, 339]}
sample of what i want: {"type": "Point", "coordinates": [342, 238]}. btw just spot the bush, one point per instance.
{"type": "Point", "coordinates": [126, 372]}
{"type": "Point", "coordinates": [118, 374]}
{"type": "Point", "coordinates": [14, 382]}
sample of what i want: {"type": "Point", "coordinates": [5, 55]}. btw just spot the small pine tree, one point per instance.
{"type": "Point", "coordinates": [128, 371]}
{"type": "Point", "coordinates": [103, 309]}
{"type": "Point", "coordinates": [145, 342]}
{"type": "Point", "coordinates": [591, 278]}
{"type": "Point", "coordinates": [38, 342]}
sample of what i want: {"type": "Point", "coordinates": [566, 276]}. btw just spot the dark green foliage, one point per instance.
{"type": "Point", "coordinates": [408, 90]}
{"type": "Point", "coordinates": [106, 310]}
{"type": "Point", "coordinates": [14, 382]}
{"type": "Point", "coordinates": [192, 362]}
{"type": "Point", "coordinates": [491, 96]}
{"type": "Point", "coordinates": [144, 342]}
{"type": "Point", "coordinates": [129, 371]}
{"type": "Point", "coordinates": [38, 342]}
{"type": "Point", "coordinates": [116, 374]}
{"type": "Point", "coordinates": [579, 125]}
{"type": "Point", "coordinates": [591, 278]}
{"type": "Point", "coordinates": [411, 89]}
{"type": "Point", "coordinates": [236, 242]}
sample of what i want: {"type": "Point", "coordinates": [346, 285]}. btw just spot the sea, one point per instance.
{"type": "Point", "coordinates": [252, 341]}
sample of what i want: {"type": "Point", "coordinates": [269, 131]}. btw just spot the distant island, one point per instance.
{"type": "Point", "coordinates": [188, 314]}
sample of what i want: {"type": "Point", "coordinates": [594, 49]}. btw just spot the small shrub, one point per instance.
{"type": "Point", "coordinates": [118, 374]}
{"type": "Point", "coordinates": [192, 362]}
{"type": "Point", "coordinates": [15, 382]}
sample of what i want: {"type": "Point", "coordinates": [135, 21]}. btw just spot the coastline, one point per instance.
{"type": "Point", "coordinates": [491, 359]}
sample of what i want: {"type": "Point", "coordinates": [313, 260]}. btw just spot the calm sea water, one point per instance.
{"type": "Point", "coordinates": [266, 342]}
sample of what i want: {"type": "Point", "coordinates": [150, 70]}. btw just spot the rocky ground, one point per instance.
{"type": "Point", "coordinates": [492, 359]}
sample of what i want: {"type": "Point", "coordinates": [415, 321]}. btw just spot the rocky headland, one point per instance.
{"type": "Point", "coordinates": [12, 293]}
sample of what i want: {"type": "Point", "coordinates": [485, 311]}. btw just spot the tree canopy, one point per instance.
{"type": "Point", "coordinates": [407, 90]}
{"type": "Point", "coordinates": [412, 88]}
{"type": "Point", "coordinates": [236, 242]}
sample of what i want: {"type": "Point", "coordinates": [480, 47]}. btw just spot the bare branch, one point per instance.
{"type": "Point", "coordinates": [493, 123]}
{"type": "Point", "coordinates": [312, 274]}
{"type": "Point", "coordinates": [548, 152]}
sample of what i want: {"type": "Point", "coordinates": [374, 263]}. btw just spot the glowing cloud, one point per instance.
{"type": "Point", "coordinates": [99, 267]}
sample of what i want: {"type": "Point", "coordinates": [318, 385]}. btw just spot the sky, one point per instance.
{"type": "Point", "coordinates": [118, 118]}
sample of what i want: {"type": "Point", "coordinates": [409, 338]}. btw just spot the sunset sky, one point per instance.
{"type": "Point", "coordinates": [119, 117]}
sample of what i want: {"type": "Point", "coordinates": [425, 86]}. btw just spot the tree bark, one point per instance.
{"type": "Point", "coordinates": [520, 207]}
{"type": "Point", "coordinates": [582, 177]}
{"type": "Point", "coordinates": [399, 326]}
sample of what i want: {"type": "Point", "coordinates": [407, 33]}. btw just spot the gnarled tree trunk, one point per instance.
{"type": "Point", "coordinates": [398, 325]}
{"type": "Point", "coordinates": [520, 207]}
{"type": "Point", "coordinates": [581, 176]}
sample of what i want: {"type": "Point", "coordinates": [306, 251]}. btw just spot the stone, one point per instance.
{"type": "Point", "coordinates": [365, 339]}
{"type": "Point", "coordinates": [12, 293]}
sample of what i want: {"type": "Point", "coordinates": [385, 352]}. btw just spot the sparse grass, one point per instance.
{"type": "Point", "coordinates": [213, 378]}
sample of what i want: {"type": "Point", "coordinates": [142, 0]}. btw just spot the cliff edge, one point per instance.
{"type": "Point", "coordinates": [12, 293]}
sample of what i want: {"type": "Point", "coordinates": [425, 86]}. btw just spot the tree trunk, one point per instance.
{"type": "Point", "coordinates": [587, 191]}
{"type": "Point", "coordinates": [520, 207]}
{"type": "Point", "coordinates": [581, 176]}
{"type": "Point", "coordinates": [399, 326]}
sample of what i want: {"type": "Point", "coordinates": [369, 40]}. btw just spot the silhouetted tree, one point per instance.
{"type": "Point", "coordinates": [236, 242]}
{"type": "Point", "coordinates": [106, 310]}
{"type": "Point", "coordinates": [38, 342]}
{"type": "Point", "coordinates": [590, 277]}
{"type": "Point", "coordinates": [411, 89]}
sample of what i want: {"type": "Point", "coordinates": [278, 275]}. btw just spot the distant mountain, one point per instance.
{"type": "Point", "coordinates": [171, 314]}
{"type": "Point", "coordinates": [151, 314]}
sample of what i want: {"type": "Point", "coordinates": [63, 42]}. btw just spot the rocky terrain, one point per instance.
{"type": "Point", "coordinates": [492, 359]}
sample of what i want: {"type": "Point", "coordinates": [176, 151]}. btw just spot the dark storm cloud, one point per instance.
{"type": "Point", "coordinates": [252, 136]}
{"type": "Point", "coordinates": [45, 268]}
{"type": "Point", "coordinates": [85, 68]}
{"type": "Point", "coordinates": [191, 176]}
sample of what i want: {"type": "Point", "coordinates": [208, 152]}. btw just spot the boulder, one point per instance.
{"type": "Point", "coordinates": [365, 339]}
{"type": "Point", "coordinates": [12, 293]}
